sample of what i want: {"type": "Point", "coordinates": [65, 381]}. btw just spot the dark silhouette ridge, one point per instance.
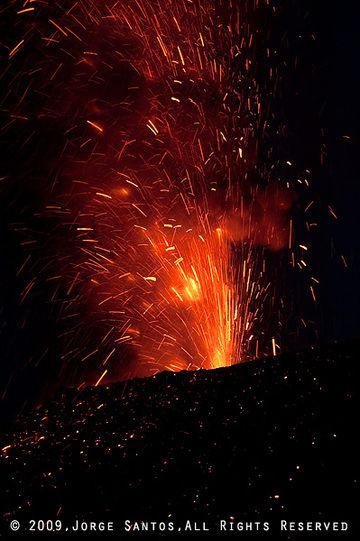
{"type": "Point", "coordinates": [267, 440]}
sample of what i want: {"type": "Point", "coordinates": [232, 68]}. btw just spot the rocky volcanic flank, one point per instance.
{"type": "Point", "coordinates": [265, 440]}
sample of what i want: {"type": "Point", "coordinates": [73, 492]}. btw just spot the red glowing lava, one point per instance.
{"type": "Point", "coordinates": [170, 219]}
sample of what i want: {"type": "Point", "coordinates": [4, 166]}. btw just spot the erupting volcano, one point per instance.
{"type": "Point", "coordinates": [168, 194]}
{"type": "Point", "coordinates": [177, 191]}
{"type": "Point", "coordinates": [172, 209]}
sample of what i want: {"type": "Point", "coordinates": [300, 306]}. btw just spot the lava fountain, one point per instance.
{"type": "Point", "coordinates": [170, 215]}
{"type": "Point", "coordinates": [174, 240]}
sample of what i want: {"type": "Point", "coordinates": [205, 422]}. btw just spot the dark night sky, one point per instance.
{"type": "Point", "coordinates": [342, 117]}
{"type": "Point", "coordinates": [332, 97]}
{"type": "Point", "coordinates": [320, 105]}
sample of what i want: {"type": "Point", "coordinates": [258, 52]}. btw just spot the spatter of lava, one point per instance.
{"type": "Point", "coordinates": [170, 219]}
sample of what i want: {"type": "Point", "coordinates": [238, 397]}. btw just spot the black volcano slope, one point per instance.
{"type": "Point", "coordinates": [269, 439]}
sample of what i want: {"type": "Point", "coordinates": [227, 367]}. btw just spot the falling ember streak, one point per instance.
{"type": "Point", "coordinates": [4, 449]}
{"type": "Point", "coordinates": [344, 261]}
{"type": "Point", "coordinates": [101, 378]}
{"type": "Point", "coordinates": [313, 293]}
{"type": "Point", "coordinates": [16, 49]}
{"type": "Point", "coordinates": [273, 343]}
{"type": "Point", "coordinates": [25, 10]}
{"type": "Point", "coordinates": [58, 27]}
{"type": "Point", "coordinates": [290, 234]}
{"type": "Point", "coordinates": [332, 212]}
{"type": "Point", "coordinates": [95, 126]}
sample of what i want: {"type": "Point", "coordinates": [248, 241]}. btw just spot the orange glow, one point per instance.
{"type": "Point", "coordinates": [174, 219]}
